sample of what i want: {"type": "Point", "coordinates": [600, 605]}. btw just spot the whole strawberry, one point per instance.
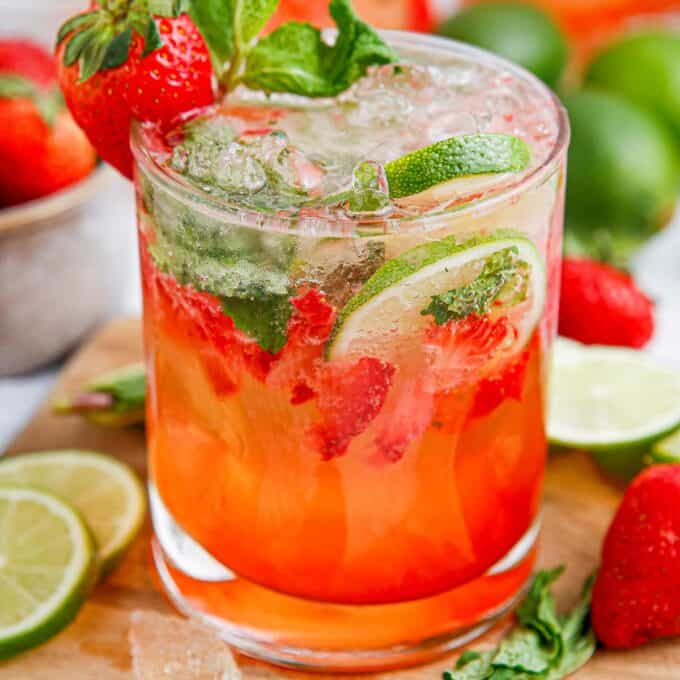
{"type": "Point", "coordinates": [637, 593]}
{"type": "Point", "coordinates": [118, 62]}
{"type": "Point", "coordinates": [25, 58]}
{"type": "Point", "coordinates": [43, 150]}
{"type": "Point", "coordinates": [601, 305]}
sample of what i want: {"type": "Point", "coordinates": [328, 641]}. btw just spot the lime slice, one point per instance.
{"type": "Point", "coordinates": [665, 451]}
{"type": "Point", "coordinates": [610, 399]}
{"type": "Point", "coordinates": [386, 315]}
{"type": "Point", "coordinates": [47, 566]}
{"type": "Point", "coordinates": [107, 493]}
{"type": "Point", "coordinates": [456, 158]}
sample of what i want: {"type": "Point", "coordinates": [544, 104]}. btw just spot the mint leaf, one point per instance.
{"type": "Point", "coordinates": [215, 20]}
{"type": "Point", "coordinates": [523, 650]}
{"type": "Point", "coordinates": [537, 611]}
{"type": "Point", "coordinates": [264, 320]}
{"type": "Point", "coordinates": [471, 666]}
{"type": "Point", "coordinates": [229, 27]}
{"type": "Point", "coordinates": [503, 275]}
{"type": "Point", "coordinates": [296, 59]}
{"type": "Point", "coordinates": [250, 17]}
{"type": "Point", "coordinates": [543, 647]}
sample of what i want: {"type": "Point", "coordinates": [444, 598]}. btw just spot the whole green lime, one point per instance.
{"type": "Point", "coordinates": [623, 175]}
{"type": "Point", "coordinates": [644, 68]}
{"type": "Point", "coordinates": [517, 31]}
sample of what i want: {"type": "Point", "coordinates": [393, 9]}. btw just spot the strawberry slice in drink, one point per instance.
{"type": "Point", "coordinates": [349, 397]}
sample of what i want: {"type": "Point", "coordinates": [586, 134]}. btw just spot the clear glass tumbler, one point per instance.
{"type": "Point", "coordinates": [365, 492]}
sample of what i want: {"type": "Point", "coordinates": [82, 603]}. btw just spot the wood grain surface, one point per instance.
{"type": "Point", "coordinates": [578, 505]}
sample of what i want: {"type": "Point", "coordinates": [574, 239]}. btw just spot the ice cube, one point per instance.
{"type": "Point", "coordinates": [370, 191]}
{"type": "Point", "coordinates": [237, 169]}
{"type": "Point", "coordinates": [165, 647]}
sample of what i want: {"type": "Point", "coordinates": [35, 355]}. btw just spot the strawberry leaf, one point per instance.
{"type": "Point", "coordinates": [77, 44]}
{"type": "Point", "coordinates": [152, 38]}
{"type": "Point", "coordinates": [296, 59]}
{"type": "Point", "coordinates": [95, 54]}
{"type": "Point", "coordinates": [16, 87]}
{"type": "Point", "coordinates": [119, 48]}
{"type": "Point", "coordinates": [80, 21]}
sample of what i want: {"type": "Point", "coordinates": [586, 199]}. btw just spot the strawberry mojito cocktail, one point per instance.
{"type": "Point", "coordinates": [350, 270]}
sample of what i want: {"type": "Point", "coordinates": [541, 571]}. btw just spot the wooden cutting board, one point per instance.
{"type": "Point", "coordinates": [578, 506]}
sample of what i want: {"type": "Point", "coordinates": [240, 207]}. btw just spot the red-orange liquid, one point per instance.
{"type": "Point", "coordinates": [231, 458]}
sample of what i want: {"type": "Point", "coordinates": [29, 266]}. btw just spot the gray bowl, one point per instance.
{"type": "Point", "coordinates": [59, 263]}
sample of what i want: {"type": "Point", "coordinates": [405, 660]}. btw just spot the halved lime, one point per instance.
{"type": "Point", "coordinates": [455, 158]}
{"type": "Point", "coordinates": [105, 491]}
{"type": "Point", "coordinates": [47, 564]}
{"type": "Point", "coordinates": [665, 451]}
{"type": "Point", "coordinates": [610, 399]}
{"type": "Point", "coordinates": [386, 316]}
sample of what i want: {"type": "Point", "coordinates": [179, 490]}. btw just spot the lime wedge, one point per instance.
{"type": "Point", "coordinates": [387, 314]}
{"type": "Point", "coordinates": [610, 399]}
{"type": "Point", "coordinates": [665, 451]}
{"type": "Point", "coordinates": [47, 566]}
{"type": "Point", "coordinates": [106, 492]}
{"type": "Point", "coordinates": [455, 158]}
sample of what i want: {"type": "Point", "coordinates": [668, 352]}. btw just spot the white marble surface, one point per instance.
{"type": "Point", "coordinates": [657, 268]}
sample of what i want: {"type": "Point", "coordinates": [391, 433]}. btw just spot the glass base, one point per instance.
{"type": "Point", "coordinates": [308, 635]}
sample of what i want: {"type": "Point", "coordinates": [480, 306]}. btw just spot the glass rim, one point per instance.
{"type": "Point", "coordinates": [345, 225]}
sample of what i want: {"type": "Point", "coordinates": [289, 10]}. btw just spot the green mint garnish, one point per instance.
{"type": "Point", "coordinates": [265, 320]}
{"type": "Point", "coordinates": [503, 275]}
{"type": "Point", "coordinates": [294, 58]}
{"type": "Point", "coordinates": [545, 646]}
{"type": "Point", "coordinates": [247, 269]}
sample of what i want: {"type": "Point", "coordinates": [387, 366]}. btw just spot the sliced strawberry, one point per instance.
{"type": "Point", "coordinates": [349, 398]}
{"type": "Point", "coordinates": [458, 350]}
{"type": "Point", "coordinates": [302, 393]}
{"type": "Point", "coordinates": [507, 384]}
{"type": "Point", "coordinates": [308, 329]}
{"type": "Point", "coordinates": [406, 416]}
{"type": "Point", "coordinates": [200, 318]}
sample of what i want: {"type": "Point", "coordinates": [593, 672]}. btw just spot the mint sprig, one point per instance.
{"type": "Point", "coordinates": [545, 646]}
{"type": "Point", "coordinates": [504, 276]}
{"type": "Point", "coordinates": [294, 58]}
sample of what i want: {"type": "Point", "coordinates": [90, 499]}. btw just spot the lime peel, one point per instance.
{"type": "Point", "coordinates": [453, 158]}
{"type": "Point", "coordinates": [51, 612]}
{"type": "Point", "coordinates": [423, 272]}
{"type": "Point", "coordinates": [84, 478]}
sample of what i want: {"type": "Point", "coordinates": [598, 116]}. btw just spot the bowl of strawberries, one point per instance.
{"type": "Point", "coordinates": [54, 278]}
